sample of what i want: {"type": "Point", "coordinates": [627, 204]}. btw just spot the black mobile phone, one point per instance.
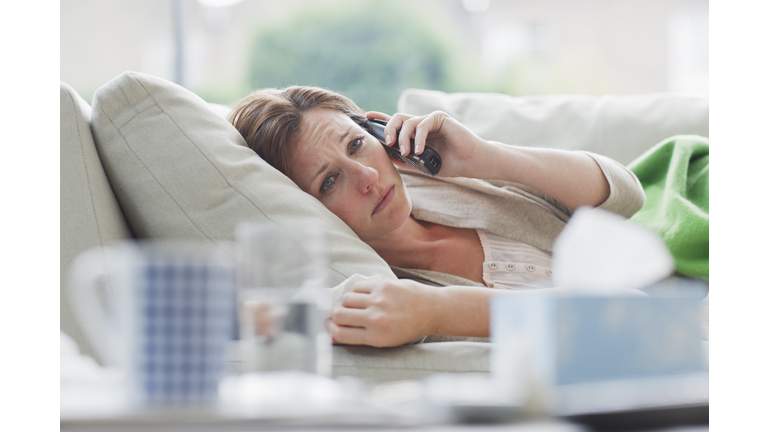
{"type": "Point", "coordinates": [428, 162]}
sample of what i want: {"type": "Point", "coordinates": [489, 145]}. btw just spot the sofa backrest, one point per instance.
{"type": "Point", "coordinates": [90, 214]}
{"type": "Point", "coordinates": [620, 127]}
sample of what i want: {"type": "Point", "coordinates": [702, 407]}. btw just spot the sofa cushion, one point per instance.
{"type": "Point", "coordinates": [620, 127]}
{"type": "Point", "coordinates": [180, 170]}
{"type": "Point", "coordinates": [412, 362]}
{"type": "Point", "coordinates": [89, 213]}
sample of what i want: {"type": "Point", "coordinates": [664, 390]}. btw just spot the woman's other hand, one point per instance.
{"type": "Point", "coordinates": [383, 313]}
{"type": "Point", "coordinates": [457, 145]}
{"type": "Point", "coordinates": [386, 313]}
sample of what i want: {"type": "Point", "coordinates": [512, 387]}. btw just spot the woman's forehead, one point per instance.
{"type": "Point", "coordinates": [323, 136]}
{"type": "Point", "coordinates": [325, 125]}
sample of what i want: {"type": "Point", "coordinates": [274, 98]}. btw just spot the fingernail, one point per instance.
{"type": "Point", "coordinates": [416, 150]}
{"type": "Point", "coordinates": [387, 139]}
{"type": "Point", "coordinates": [402, 150]}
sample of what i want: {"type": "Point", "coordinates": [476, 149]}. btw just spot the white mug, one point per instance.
{"type": "Point", "coordinates": [168, 317]}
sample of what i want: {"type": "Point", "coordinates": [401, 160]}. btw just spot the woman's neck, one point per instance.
{"type": "Point", "coordinates": [408, 246]}
{"type": "Point", "coordinates": [429, 246]}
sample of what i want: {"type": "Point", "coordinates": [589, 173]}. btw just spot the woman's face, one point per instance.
{"type": "Point", "coordinates": [349, 171]}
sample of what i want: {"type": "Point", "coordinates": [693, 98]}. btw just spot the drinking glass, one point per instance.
{"type": "Point", "coordinates": [282, 298]}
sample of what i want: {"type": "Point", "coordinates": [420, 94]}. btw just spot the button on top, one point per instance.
{"type": "Point", "coordinates": [510, 267]}
{"type": "Point", "coordinates": [530, 268]}
{"type": "Point", "coordinates": [549, 272]}
{"type": "Point", "coordinates": [492, 266]}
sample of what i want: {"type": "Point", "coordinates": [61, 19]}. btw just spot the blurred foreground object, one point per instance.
{"type": "Point", "coordinates": [601, 252]}
{"type": "Point", "coordinates": [167, 317]}
{"type": "Point", "coordinates": [600, 346]}
{"type": "Point", "coordinates": [589, 354]}
{"type": "Point", "coordinates": [283, 302]}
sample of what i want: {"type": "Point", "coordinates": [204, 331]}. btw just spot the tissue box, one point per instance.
{"type": "Point", "coordinates": [595, 353]}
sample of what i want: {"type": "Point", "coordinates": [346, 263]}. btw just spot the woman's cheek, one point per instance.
{"type": "Point", "coordinates": [348, 210]}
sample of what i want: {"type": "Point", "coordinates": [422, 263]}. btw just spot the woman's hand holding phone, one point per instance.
{"type": "Point", "coordinates": [456, 144]}
{"type": "Point", "coordinates": [573, 178]}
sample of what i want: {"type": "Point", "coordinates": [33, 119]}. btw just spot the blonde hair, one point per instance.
{"type": "Point", "coordinates": [270, 119]}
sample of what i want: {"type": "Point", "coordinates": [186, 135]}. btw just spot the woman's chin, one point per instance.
{"type": "Point", "coordinates": [389, 219]}
{"type": "Point", "coordinates": [390, 223]}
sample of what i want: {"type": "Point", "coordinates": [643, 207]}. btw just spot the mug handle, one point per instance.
{"type": "Point", "coordinates": [88, 269]}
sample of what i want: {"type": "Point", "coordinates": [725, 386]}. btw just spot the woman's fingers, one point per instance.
{"type": "Point", "coordinates": [395, 124]}
{"type": "Point", "coordinates": [407, 131]}
{"type": "Point", "coordinates": [431, 123]}
{"type": "Point", "coordinates": [355, 300]}
{"type": "Point", "coordinates": [416, 127]}
{"type": "Point", "coordinates": [352, 317]}
{"type": "Point", "coordinates": [419, 129]}
{"type": "Point", "coordinates": [364, 286]}
{"type": "Point", "coordinates": [347, 335]}
{"type": "Point", "coordinates": [377, 115]}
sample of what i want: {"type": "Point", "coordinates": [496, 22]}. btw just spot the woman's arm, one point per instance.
{"type": "Point", "coordinates": [384, 313]}
{"type": "Point", "coordinates": [572, 178]}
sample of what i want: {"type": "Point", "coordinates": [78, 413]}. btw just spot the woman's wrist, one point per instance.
{"type": "Point", "coordinates": [462, 311]}
{"type": "Point", "coordinates": [437, 307]}
{"type": "Point", "coordinates": [479, 161]}
{"type": "Point", "coordinates": [430, 304]}
{"type": "Point", "coordinates": [493, 161]}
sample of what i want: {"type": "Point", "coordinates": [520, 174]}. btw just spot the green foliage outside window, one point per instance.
{"type": "Point", "coordinates": [368, 54]}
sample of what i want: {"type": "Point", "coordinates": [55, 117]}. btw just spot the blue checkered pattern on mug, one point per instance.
{"type": "Point", "coordinates": [188, 309]}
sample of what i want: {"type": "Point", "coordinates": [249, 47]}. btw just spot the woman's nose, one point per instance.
{"type": "Point", "coordinates": [366, 177]}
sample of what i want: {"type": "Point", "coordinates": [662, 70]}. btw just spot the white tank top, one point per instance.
{"type": "Point", "coordinates": [510, 264]}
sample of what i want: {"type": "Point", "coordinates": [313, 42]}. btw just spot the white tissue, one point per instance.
{"type": "Point", "coordinates": [599, 251]}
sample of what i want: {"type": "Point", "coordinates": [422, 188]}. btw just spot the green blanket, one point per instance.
{"type": "Point", "coordinates": [675, 178]}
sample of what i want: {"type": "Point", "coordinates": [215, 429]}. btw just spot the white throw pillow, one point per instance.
{"type": "Point", "coordinates": [180, 170]}
{"type": "Point", "coordinates": [620, 127]}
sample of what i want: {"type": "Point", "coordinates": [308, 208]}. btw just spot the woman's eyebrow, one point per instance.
{"type": "Point", "coordinates": [324, 167]}
{"type": "Point", "coordinates": [344, 135]}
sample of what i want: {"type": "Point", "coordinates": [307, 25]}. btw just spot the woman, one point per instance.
{"type": "Point", "coordinates": [318, 139]}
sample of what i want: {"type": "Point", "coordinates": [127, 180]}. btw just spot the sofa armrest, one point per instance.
{"type": "Point", "coordinates": [89, 213]}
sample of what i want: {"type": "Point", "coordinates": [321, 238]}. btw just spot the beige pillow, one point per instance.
{"type": "Point", "coordinates": [179, 170]}
{"type": "Point", "coordinates": [620, 127]}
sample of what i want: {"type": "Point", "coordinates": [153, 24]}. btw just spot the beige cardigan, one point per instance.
{"type": "Point", "coordinates": [507, 209]}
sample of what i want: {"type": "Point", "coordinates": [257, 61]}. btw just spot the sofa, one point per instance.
{"type": "Point", "coordinates": [149, 159]}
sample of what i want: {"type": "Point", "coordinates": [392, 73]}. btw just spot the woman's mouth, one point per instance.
{"type": "Point", "coordinates": [384, 200]}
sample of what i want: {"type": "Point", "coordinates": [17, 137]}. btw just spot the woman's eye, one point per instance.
{"type": "Point", "coordinates": [327, 183]}
{"type": "Point", "coordinates": [356, 144]}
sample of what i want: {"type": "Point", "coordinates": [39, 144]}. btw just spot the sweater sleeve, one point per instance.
{"type": "Point", "coordinates": [626, 196]}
